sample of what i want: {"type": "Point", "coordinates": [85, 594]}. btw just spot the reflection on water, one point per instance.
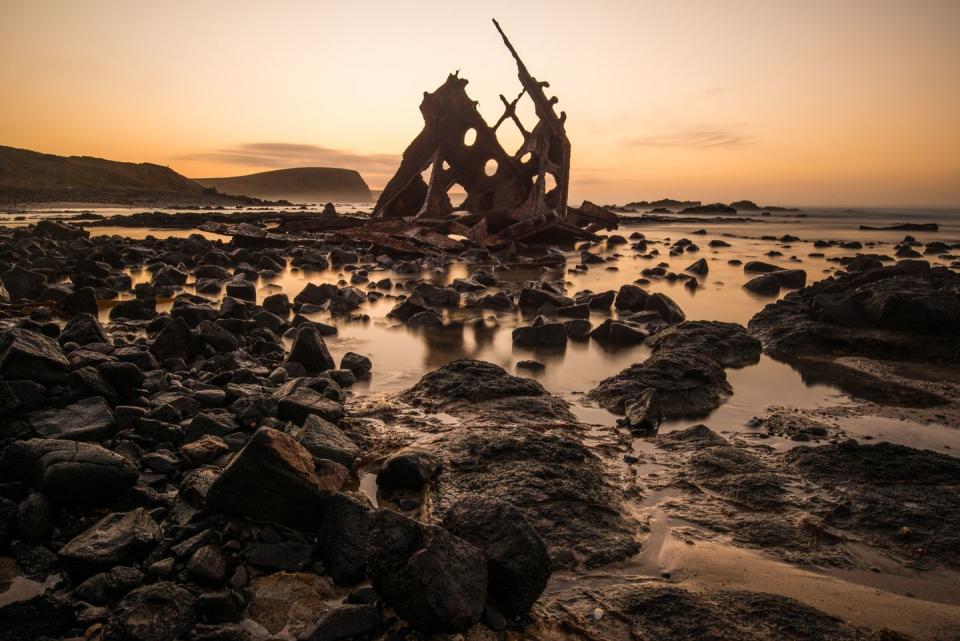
{"type": "Point", "coordinates": [402, 355]}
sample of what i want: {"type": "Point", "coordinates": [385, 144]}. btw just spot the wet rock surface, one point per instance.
{"type": "Point", "coordinates": [199, 466]}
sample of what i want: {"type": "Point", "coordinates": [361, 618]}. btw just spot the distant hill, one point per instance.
{"type": "Point", "coordinates": [298, 184]}
{"type": "Point", "coordinates": [30, 176]}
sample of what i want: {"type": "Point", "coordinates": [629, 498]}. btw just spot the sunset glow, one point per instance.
{"type": "Point", "coordinates": [814, 103]}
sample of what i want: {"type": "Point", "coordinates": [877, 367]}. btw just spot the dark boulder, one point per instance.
{"type": "Point", "coordinates": [87, 420]}
{"type": "Point", "coordinates": [162, 611]}
{"type": "Point", "coordinates": [324, 440]}
{"type": "Point", "coordinates": [518, 565]}
{"type": "Point", "coordinates": [69, 472]}
{"type": "Point", "coordinates": [116, 539]}
{"type": "Point", "coordinates": [688, 384]}
{"type": "Point", "coordinates": [31, 356]}
{"type": "Point", "coordinates": [303, 402]}
{"type": "Point", "coordinates": [358, 364]}
{"type": "Point", "coordinates": [345, 622]}
{"type": "Point", "coordinates": [631, 298]}
{"type": "Point", "coordinates": [410, 468]}
{"type": "Point", "coordinates": [310, 350]}
{"type": "Point", "coordinates": [83, 329]}
{"type": "Point", "coordinates": [436, 581]}
{"type": "Point", "coordinates": [273, 478]}
{"type": "Point", "coordinates": [23, 284]}
{"type": "Point", "coordinates": [80, 301]}
{"type": "Point", "coordinates": [346, 528]}
{"type": "Point", "coordinates": [669, 311]}
{"type": "Point", "coordinates": [727, 343]}
{"type": "Point", "coordinates": [541, 334]}
{"type": "Point", "coordinates": [45, 616]}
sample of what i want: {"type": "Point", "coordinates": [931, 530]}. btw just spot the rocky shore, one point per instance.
{"type": "Point", "coordinates": [192, 465]}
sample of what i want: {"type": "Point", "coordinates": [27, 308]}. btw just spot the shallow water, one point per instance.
{"type": "Point", "coordinates": [401, 355]}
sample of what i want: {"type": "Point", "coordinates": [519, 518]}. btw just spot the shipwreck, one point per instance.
{"type": "Point", "coordinates": [518, 197]}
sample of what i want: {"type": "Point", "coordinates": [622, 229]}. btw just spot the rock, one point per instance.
{"type": "Point", "coordinates": [644, 413]}
{"type": "Point", "coordinates": [550, 475]}
{"type": "Point", "coordinates": [303, 402]}
{"type": "Point", "coordinates": [345, 622]}
{"type": "Point", "coordinates": [174, 341]}
{"type": "Point", "coordinates": [136, 309]}
{"type": "Point", "coordinates": [533, 299]}
{"type": "Point", "coordinates": [518, 565]}
{"type": "Point", "coordinates": [168, 276]}
{"type": "Point", "coordinates": [790, 278]}
{"type": "Point", "coordinates": [116, 539]}
{"type": "Point", "coordinates": [314, 294]}
{"type": "Point", "coordinates": [277, 304]}
{"type": "Point", "coordinates": [358, 364]}
{"type": "Point", "coordinates": [653, 610]}
{"type": "Point", "coordinates": [664, 305]}
{"type": "Point", "coordinates": [80, 301]}
{"type": "Point", "coordinates": [162, 611]}
{"type": "Point", "coordinates": [45, 616]}
{"type": "Point", "coordinates": [727, 343]}
{"type": "Point", "coordinates": [616, 332]}
{"type": "Point", "coordinates": [688, 384]}
{"type": "Point", "coordinates": [274, 479]}
{"type": "Point", "coordinates": [405, 310]}
{"type": "Point", "coordinates": [59, 231]}
{"type": "Point", "coordinates": [700, 268]}
{"type": "Point", "coordinates": [907, 311]}
{"type": "Point", "coordinates": [286, 555]}
{"type": "Point", "coordinates": [324, 440]}
{"type": "Point", "coordinates": [83, 329]}
{"type": "Point", "coordinates": [436, 581]}
{"type": "Point", "coordinates": [578, 329]}
{"type": "Point", "coordinates": [69, 472]}
{"type": "Point", "coordinates": [631, 298]}
{"type": "Point", "coordinates": [470, 380]}
{"type": "Point", "coordinates": [288, 600]}
{"type": "Point", "coordinates": [107, 587]}
{"type": "Point", "coordinates": [541, 334]}
{"type": "Point", "coordinates": [346, 528]}
{"type": "Point", "coordinates": [86, 420]}
{"type": "Point", "coordinates": [574, 311]}
{"type": "Point", "coordinates": [208, 565]}
{"type": "Point", "coordinates": [206, 449]}
{"type": "Point", "coordinates": [410, 468]}
{"type": "Point", "coordinates": [217, 337]}
{"type": "Point", "coordinates": [765, 285]}
{"type": "Point", "coordinates": [533, 366]}
{"type": "Point", "coordinates": [35, 517]}
{"type": "Point", "coordinates": [760, 267]}
{"type": "Point", "coordinates": [240, 287]}
{"type": "Point", "coordinates": [23, 284]}
{"type": "Point", "coordinates": [31, 356]}
{"type": "Point", "coordinates": [311, 351]}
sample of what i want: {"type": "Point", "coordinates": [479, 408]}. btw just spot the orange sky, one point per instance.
{"type": "Point", "coordinates": [846, 102]}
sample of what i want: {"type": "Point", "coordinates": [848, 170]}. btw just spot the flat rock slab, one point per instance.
{"type": "Point", "coordinates": [86, 420]}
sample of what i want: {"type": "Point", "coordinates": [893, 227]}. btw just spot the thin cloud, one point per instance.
{"type": "Point", "coordinates": [705, 138]}
{"type": "Point", "coordinates": [281, 155]}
